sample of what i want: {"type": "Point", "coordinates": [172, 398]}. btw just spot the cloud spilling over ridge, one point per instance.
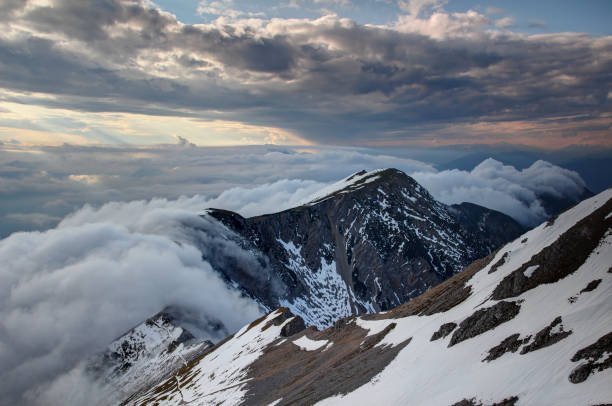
{"type": "Point", "coordinates": [518, 193]}
{"type": "Point", "coordinates": [68, 292]}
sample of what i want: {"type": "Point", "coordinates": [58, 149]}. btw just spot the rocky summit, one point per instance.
{"type": "Point", "coordinates": [365, 244]}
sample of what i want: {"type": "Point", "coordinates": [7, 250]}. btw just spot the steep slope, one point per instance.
{"type": "Point", "coordinates": [146, 354]}
{"type": "Point", "coordinates": [367, 243]}
{"type": "Point", "coordinates": [528, 325]}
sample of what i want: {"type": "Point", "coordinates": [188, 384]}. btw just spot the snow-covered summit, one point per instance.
{"type": "Point", "coordinates": [351, 183]}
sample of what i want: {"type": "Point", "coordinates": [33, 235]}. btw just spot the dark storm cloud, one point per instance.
{"type": "Point", "coordinates": [311, 76]}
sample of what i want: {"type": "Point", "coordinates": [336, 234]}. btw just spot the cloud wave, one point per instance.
{"type": "Point", "coordinates": [517, 193]}
{"type": "Point", "coordinates": [67, 292]}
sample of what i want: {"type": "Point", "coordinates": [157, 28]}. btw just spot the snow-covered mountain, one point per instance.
{"type": "Point", "coordinates": [367, 243]}
{"type": "Point", "coordinates": [146, 354]}
{"type": "Point", "coordinates": [530, 324]}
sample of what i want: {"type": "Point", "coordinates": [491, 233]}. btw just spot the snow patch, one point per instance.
{"type": "Point", "coordinates": [350, 183]}
{"type": "Point", "coordinates": [307, 344]}
{"type": "Point", "coordinates": [529, 271]}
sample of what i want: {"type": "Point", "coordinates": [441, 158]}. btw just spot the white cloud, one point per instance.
{"type": "Point", "coordinates": [504, 22]}
{"type": "Point", "coordinates": [517, 193]}
{"type": "Point", "coordinates": [68, 292]}
{"type": "Point", "coordinates": [414, 7]}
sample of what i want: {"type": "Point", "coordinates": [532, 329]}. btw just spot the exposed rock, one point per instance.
{"type": "Point", "coordinates": [598, 356]}
{"type": "Point", "coordinates": [591, 286]}
{"type": "Point", "coordinates": [547, 337]}
{"type": "Point", "coordinates": [560, 258]}
{"type": "Point", "coordinates": [306, 377]}
{"type": "Point", "coordinates": [473, 402]}
{"type": "Point", "coordinates": [375, 243]}
{"type": "Point", "coordinates": [509, 344]}
{"type": "Point", "coordinates": [444, 330]}
{"type": "Point", "coordinates": [485, 224]}
{"type": "Point", "coordinates": [507, 402]}
{"type": "Point", "coordinates": [484, 320]}
{"type": "Point", "coordinates": [372, 340]}
{"type": "Point", "coordinates": [467, 402]}
{"type": "Point", "coordinates": [499, 263]}
{"type": "Point", "coordinates": [293, 327]}
{"type": "Point", "coordinates": [440, 298]}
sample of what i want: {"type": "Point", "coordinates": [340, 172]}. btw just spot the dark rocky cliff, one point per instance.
{"type": "Point", "coordinates": [375, 241]}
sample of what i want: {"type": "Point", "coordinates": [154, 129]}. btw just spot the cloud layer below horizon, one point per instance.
{"type": "Point", "coordinates": [66, 292]}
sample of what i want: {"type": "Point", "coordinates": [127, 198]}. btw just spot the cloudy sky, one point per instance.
{"type": "Point", "coordinates": [120, 121]}
{"type": "Point", "coordinates": [299, 72]}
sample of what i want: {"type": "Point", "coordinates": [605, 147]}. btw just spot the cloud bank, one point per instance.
{"type": "Point", "coordinates": [40, 186]}
{"type": "Point", "coordinates": [517, 193]}
{"type": "Point", "coordinates": [326, 80]}
{"type": "Point", "coordinates": [68, 292]}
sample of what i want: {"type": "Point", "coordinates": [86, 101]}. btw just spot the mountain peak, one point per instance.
{"type": "Point", "coordinates": [357, 181]}
{"type": "Point", "coordinates": [367, 243]}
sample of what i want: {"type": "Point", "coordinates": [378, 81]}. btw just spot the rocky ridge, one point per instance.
{"type": "Point", "coordinates": [365, 244]}
{"type": "Point", "coordinates": [546, 342]}
{"type": "Point", "coordinates": [146, 355]}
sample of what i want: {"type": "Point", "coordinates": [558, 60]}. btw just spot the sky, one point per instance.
{"type": "Point", "coordinates": [121, 121]}
{"type": "Point", "coordinates": [306, 72]}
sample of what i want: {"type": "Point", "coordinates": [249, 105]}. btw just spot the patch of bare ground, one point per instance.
{"type": "Point", "coordinates": [546, 337]}
{"type": "Point", "coordinates": [511, 401]}
{"type": "Point", "coordinates": [598, 356]}
{"type": "Point", "coordinates": [560, 258]}
{"type": "Point", "coordinates": [305, 377]}
{"type": "Point", "coordinates": [483, 320]}
{"type": "Point", "coordinates": [440, 298]}
{"type": "Point", "coordinates": [444, 330]}
{"type": "Point", "coordinates": [509, 344]}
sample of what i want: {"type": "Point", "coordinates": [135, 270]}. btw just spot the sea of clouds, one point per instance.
{"type": "Point", "coordinates": [67, 291]}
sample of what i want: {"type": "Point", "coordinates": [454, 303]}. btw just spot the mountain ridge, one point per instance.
{"type": "Point", "coordinates": [548, 343]}
{"type": "Point", "coordinates": [366, 243]}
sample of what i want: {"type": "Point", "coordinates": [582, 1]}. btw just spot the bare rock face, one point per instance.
{"type": "Point", "coordinates": [547, 336]}
{"type": "Point", "coordinates": [444, 330]}
{"type": "Point", "coordinates": [511, 401]}
{"type": "Point", "coordinates": [509, 344]}
{"type": "Point", "coordinates": [598, 357]}
{"type": "Point", "coordinates": [484, 320]}
{"type": "Point", "coordinates": [373, 243]}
